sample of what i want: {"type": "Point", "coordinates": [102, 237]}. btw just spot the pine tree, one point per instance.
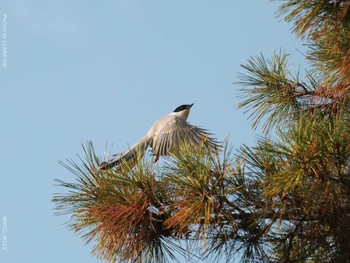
{"type": "Point", "coordinates": [287, 199]}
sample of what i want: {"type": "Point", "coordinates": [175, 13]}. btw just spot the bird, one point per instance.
{"type": "Point", "coordinates": [166, 136]}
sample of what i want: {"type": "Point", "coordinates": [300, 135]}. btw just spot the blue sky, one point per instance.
{"type": "Point", "coordinates": [105, 70]}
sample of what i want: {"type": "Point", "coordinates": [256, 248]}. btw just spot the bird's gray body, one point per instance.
{"type": "Point", "coordinates": [166, 136]}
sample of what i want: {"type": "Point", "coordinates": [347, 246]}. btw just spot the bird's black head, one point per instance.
{"type": "Point", "coordinates": [183, 107]}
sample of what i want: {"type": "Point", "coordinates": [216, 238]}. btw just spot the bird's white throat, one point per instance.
{"type": "Point", "coordinates": [181, 114]}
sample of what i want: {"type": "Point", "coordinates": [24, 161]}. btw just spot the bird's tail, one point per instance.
{"type": "Point", "coordinates": [132, 153]}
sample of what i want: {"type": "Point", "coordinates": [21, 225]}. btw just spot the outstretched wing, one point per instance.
{"type": "Point", "coordinates": [179, 133]}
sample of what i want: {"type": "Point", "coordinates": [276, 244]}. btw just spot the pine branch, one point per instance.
{"type": "Point", "coordinates": [270, 91]}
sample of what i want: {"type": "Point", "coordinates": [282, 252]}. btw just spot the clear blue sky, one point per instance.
{"type": "Point", "coordinates": [104, 70]}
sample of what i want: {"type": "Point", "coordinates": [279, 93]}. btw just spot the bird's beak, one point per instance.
{"type": "Point", "coordinates": [189, 106]}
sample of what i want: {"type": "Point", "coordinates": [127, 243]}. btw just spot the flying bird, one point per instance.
{"type": "Point", "coordinates": [166, 136]}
